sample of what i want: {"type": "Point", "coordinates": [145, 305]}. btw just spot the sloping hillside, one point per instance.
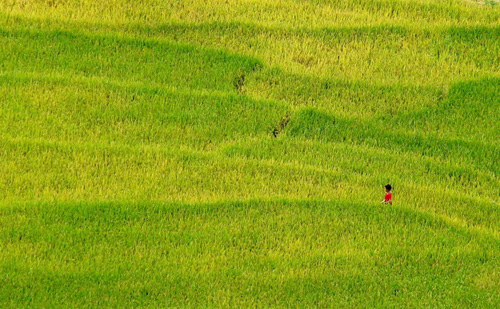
{"type": "Point", "coordinates": [233, 153]}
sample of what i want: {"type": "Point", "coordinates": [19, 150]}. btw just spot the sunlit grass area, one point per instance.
{"type": "Point", "coordinates": [234, 153]}
{"type": "Point", "coordinates": [258, 253]}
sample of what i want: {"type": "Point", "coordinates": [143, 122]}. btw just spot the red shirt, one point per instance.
{"type": "Point", "coordinates": [388, 197]}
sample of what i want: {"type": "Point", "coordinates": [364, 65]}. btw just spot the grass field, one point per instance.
{"type": "Point", "coordinates": [233, 153]}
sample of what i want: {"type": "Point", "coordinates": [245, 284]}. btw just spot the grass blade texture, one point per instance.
{"type": "Point", "coordinates": [213, 153]}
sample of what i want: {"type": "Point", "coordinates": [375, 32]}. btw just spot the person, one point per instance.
{"type": "Point", "coordinates": [388, 195]}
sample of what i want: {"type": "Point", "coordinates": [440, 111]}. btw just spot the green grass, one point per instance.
{"type": "Point", "coordinates": [100, 111]}
{"type": "Point", "coordinates": [256, 253]}
{"type": "Point", "coordinates": [233, 153]}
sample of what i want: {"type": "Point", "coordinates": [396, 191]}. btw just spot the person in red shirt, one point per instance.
{"type": "Point", "coordinates": [388, 195]}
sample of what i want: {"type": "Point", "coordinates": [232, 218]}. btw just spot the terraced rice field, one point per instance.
{"type": "Point", "coordinates": [233, 153]}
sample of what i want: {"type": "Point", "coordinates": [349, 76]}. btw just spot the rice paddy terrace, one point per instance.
{"type": "Point", "coordinates": [233, 153]}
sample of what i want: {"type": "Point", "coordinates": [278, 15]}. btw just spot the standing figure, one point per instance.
{"type": "Point", "coordinates": [388, 195]}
